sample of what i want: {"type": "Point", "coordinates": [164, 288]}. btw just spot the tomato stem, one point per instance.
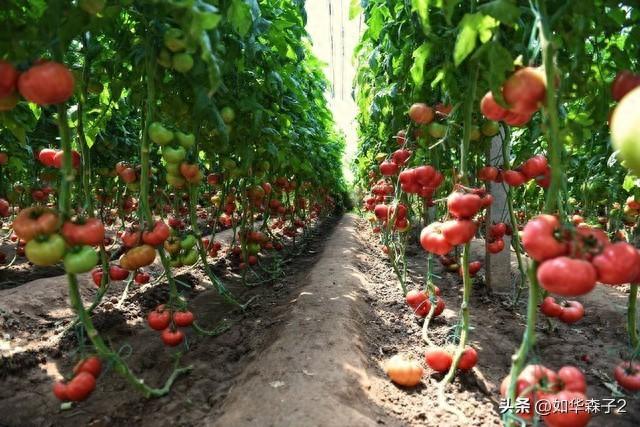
{"type": "Point", "coordinates": [632, 322]}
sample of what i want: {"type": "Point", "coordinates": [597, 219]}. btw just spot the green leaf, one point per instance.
{"type": "Point", "coordinates": [239, 15]}
{"type": "Point", "coordinates": [420, 56]}
{"type": "Point", "coordinates": [376, 23]}
{"type": "Point", "coordinates": [630, 182]}
{"type": "Point", "coordinates": [504, 11]}
{"type": "Point", "coordinates": [422, 8]}
{"type": "Point", "coordinates": [472, 26]}
{"type": "Point", "coordinates": [354, 9]}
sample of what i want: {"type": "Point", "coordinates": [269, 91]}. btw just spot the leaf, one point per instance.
{"type": "Point", "coordinates": [376, 23]}
{"type": "Point", "coordinates": [449, 7]}
{"type": "Point", "coordinates": [630, 182]}
{"type": "Point", "coordinates": [422, 8]}
{"type": "Point", "coordinates": [354, 9]}
{"type": "Point", "coordinates": [239, 15]}
{"type": "Point", "coordinates": [472, 26]}
{"type": "Point", "coordinates": [420, 56]}
{"type": "Point", "coordinates": [504, 11]}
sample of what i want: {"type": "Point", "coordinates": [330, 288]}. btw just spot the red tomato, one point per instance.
{"type": "Point", "coordinates": [497, 231]}
{"type": "Point", "coordinates": [575, 414]}
{"type": "Point", "coordinates": [46, 83]}
{"type": "Point", "coordinates": [496, 246]}
{"type": "Point", "coordinates": [572, 312]}
{"type": "Point", "coordinates": [534, 167]}
{"type": "Point", "coordinates": [432, 239]}
{"type": "Point", "coordinates": [159, 319]}
{"type": "Point", "coordinates": [491, 109]}
{"type": "Point", "coordinates": [401, 137]}
{"type": "Point", "coordinates": [474, 267]}
{"type": "Point", "coordinates": [59, 157]}
{"type": "Point", "coordinates": [588, 241]}
{"type": "Point", "coordinates": [517, 119]}
{"type": "Point", "coordinates": [539, 238]}
{"type": "Point", "coordinates": [514, 178]}
{"type": "Point", "coordinates": [457, 232]}
{"type": "Point", "coordinates": [619, 263]}
{"type": "Point", "coordinates": [400, 156]}
{"type": "Point", "coordinates": [624, 83]}
{"type": "Point", "coordinates": [172, 338]}
{"type": "Point", "coordinates": [158, 235]}
{"type": "Point", "coordinates": [8, 78]}
{"type": "Point", "coordinates": [388, 168]}
{"type": "Point", "coordinates": [440, 306]}
{"type": "Point", "coordinates": [488, 173]}
{"type": "Point", "coordinates": [118, 273]}
{"type": "Point", "coordinates": [438, 359]}
{"type": "Point", "coordinates": [627, 374]}
{"type": "Point", "coordinates": [142, 278]}
{"type": "Point", "coordinates": [81, 386]}
{"type": "Point", "coordinates": [468, 359]}
{"type": "Point", "coordinates": [96, 275]}
{"type": "Point", "coordinates": [463, 205]}
{"type": "Point", "coordinates": [91, 365]}
{"type": "Point", "coordinates": [60, 391]}
{"type": "Point", "coordinates": [550, 307]}
{"type": "Point", "coordinates": [46, 155]}
{"type": "Point", "coordinates": [128, 175]}
{"type": "Point", "coordinates": [566, 276]}
{"type": "Point", "coordinates": [131, 238]}
{"type": "Point", "coordinates": [183, 318]}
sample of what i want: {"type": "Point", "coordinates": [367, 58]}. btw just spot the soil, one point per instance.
{"type": "Point", "coordinates": [308, 350]}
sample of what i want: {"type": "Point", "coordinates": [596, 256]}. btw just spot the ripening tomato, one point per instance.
{"type": "Point", "coordinates": [491, 109]}
{"type": "Point", "coordinates": [627, 374]}
{"type": "Point", "coordinates": [84, 232]}
{"type": "Point", "coordinates": [140, 256]}
{"type": "Point", "coordinates": [172, 338]}
{"type": "Point", "coordinates": [539, 238]}
{"type": "Point", "coordinates": [432, 239]}
{"type": "Point", "coordinates": [567, 276]}
{"type": "Point", "coordinates": [46, 83]}
{"type": "Point", "coordinates": [420, 113]}
{"type": "Point", "coordinates": [524, 90]}
{"type": "Point", "coordinates": [80, 387]}
{"type": "Point", "coordinates": [404, 372]}
{"type": "Point", "coordinates": [457, 232]}
{"type": "Point", "coordinates": [35, 221]}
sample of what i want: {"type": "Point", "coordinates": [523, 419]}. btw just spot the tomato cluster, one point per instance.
{"type": "Point", "coordinates": [535, 168]}
{"type": "Point", "coordinates": [523, 92]}
{"type": "Point", "coordinates": [420, 302]}
{"type": "Point", "coordinates": [440, 359]}
{"type": "Point", "coordinates": [168, 321]}
{"type": "Point", "coordinates": [565, 391]}
{"type": "Point", "coordinates": [573, 260]}
{"type": "Point", "coordinates": [86, 372]}
{"type": "Point", "coordinates": [567, 312]}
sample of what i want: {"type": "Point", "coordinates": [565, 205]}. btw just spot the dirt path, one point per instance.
{"type": "Point", "coordinates": [314, 373]}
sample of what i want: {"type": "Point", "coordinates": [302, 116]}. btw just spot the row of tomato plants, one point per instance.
{"type": "Point", "coordinates": [565, 256]}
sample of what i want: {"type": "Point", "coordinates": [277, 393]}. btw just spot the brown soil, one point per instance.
{"type": "Point", "coordinates": [308, 351]}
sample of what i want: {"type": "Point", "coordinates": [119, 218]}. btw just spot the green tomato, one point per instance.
{"type": "Point", "coordinates": [228, 164]}
{"type": "Point", "coordinates": [182, 62]}
{"type": "Point", "coordinates": [173, 169]}
{"type": "Point", "coordinates": [133, 186]}
{"type": "Point", "coordinates": [80, 260]}
{"type": "Point", "coordinates": [159, 134]}
{"type": "Point", "coordinates": [186, 140]}
{"type": "Point", "coordinates": [625, 130]}
{"type": "Point", "coordinates": [236, 173]}
{"type": "Point", "coordinates": [175, 262]}
{"type": "Point", "coordinates": [173, 155]}
{"type": "Point", "coordinates": [174, 40]}
{"type": "Point", "coordinates": [164, 58]}
{"type": "Point", "coordinates": [490, 128]}
{"type": "Point", "coordinates": [436, 130]}
{"type": "Point", "coordinates": [475, 133]}
{"type": "Point", "coordinates": [92, 7]}
{"type": "Point", "coordinates": [190, 257]}
{"type": "Point", "coordinates": [175, 181]}
{"type": "Point", "coordinates": [228, 115]}
{"type": "Point", "coordinates": [188, 242]}
{"type": "Point", "coordinates": [253, 248]}
{"type": "Point", "coordinates": [45, 251]}
{"type": "Point", "coordinates": [380, 157]}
